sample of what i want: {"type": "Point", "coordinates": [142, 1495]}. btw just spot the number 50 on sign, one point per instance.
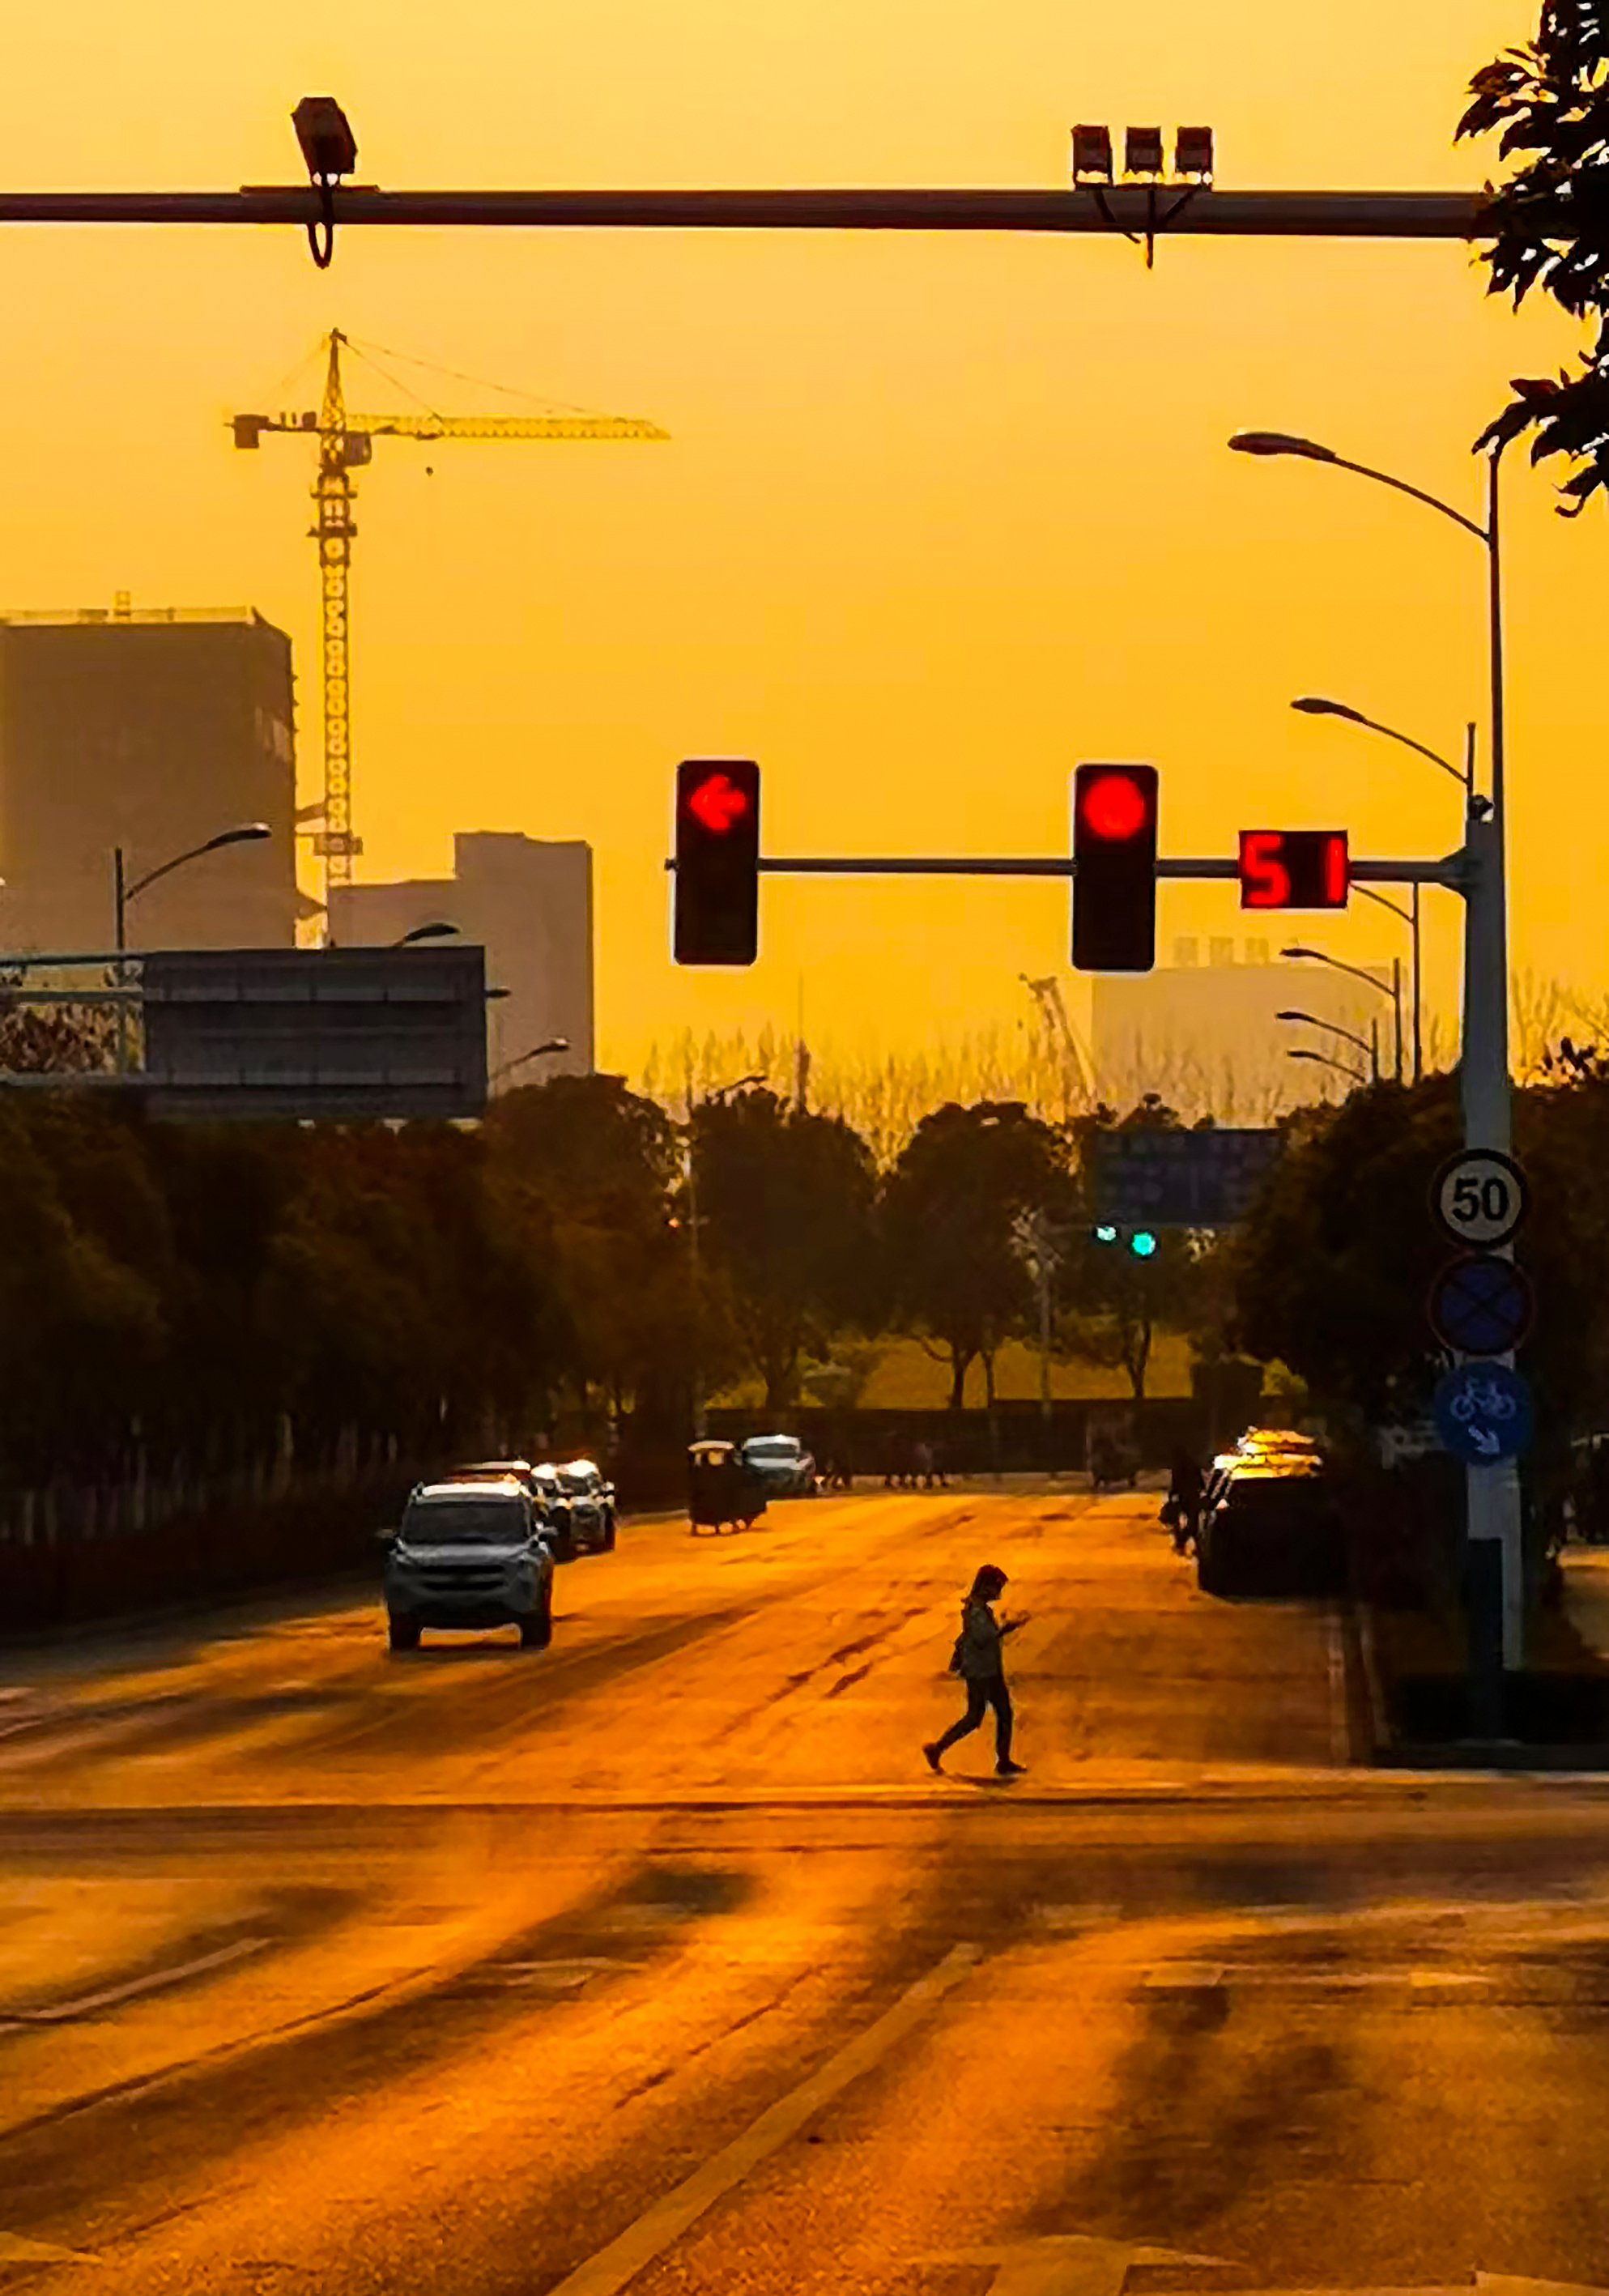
{"type": "Point", "coordinates": [1480, 1198]}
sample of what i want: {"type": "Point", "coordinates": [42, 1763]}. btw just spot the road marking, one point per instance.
{"type": "Point", "coordinates": [614, 2268]}
{"type": "Point", "coordinates": [548, 1976]}
{"type": "Point", "coordinates": [1066, 2264]}
{"type": "Point", "coordinates": [1196, 1976]}
{"type": "Point", "coordinates": [111, 1994]}
{"type": "Point", "coordinates": [15, 2249]}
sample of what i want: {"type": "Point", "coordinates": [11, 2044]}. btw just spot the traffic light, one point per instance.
{"type": "Point", "coordinates": [1115, 868]}
{"type": "Point", "coordinates": [716, 904]}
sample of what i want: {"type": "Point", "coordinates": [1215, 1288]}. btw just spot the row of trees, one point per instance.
{"type": "Point", "coordinates": [177, 1294]}
{"type": "Point", "coordinates": [886, 1094]}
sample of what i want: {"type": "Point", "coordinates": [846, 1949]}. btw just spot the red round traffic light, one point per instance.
{"type": "Point", "coordinates": [1114, 806]}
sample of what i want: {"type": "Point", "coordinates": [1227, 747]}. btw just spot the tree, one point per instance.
{"type": "Point", "coordinates": [949, 1208]}
{"type": "Point", "coordinates": [1331, 1271]}
{"type": "Point", "coordinates": [785, 1203]}
{"type": "Point", "coordinates": [1550, 101]}
{"type": "Point", "coordinates": [599, 1165]}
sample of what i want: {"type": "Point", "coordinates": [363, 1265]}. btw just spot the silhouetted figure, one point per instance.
{"type": "Point", "coordinates": [1184, 1500]}
{"type": "Point", "coordinates": [978, 1660]}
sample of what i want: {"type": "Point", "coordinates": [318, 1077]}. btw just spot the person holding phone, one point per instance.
{"type": "Point", "coordinates": [980, 1661]}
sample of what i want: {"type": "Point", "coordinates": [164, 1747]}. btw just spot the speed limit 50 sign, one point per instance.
{"type": "Point", "coordinates": [1480, 1198]}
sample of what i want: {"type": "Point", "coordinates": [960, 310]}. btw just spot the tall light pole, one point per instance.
{"type": "Point", "coordinates": [249, 833]}
{"type": "Point", "coordinates": [1358, 972]}
{"type": "Point", "coordinates": [1497, 1560]}
{"type": "Point", "coordinates": [1316, 705]}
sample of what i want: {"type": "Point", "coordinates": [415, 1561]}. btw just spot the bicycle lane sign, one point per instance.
{"type": "Point", "coordinates": [1483, 1413]}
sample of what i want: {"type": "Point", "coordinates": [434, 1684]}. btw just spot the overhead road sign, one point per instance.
{"type": "Point", "coordinates": [341, 1034]}
{"type": "Point", "coordinates": [1148, 1179]}
{"type": "Point", "coordinates": [1481, 1305]}
{"type": "Point", "coordinates": [1483, 1414]}
{"type": "Point", "coordinates": [1480, 1198]}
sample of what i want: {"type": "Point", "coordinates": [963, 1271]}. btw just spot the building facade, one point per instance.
{"type": "Point", "coordinates": [151, 731]}
{"type": "Point", "coordinates": [1205, 1036]}
{"type": "Point", "coordinates": [528, 902]}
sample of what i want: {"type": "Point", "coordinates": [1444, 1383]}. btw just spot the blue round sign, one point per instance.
{"type": "Point", "coordinates": [1483, 1413]}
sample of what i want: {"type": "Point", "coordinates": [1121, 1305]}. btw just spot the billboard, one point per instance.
{"type": "Point", "coordinates": [1156, 1178]}
{"type": "Point", "coordinates": [341, 1034]}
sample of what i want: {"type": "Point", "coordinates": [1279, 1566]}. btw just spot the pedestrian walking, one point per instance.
{"type": "Point", "coordinates": [1182, 1507]}
{"type": "Point", "coordinates": [978, 1659]}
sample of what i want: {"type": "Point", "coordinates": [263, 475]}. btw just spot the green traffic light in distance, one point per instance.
{"type": "Point", "coordinates": [1142, 1244]}
{"type": "Point", "coordinates": [1106, 1235]}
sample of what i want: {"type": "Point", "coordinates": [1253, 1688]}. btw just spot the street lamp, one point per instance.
{"type": "Point", "coordinates": [249, 832]}
{"type": "Point", "coordinates": [1316, 705]}
{"type": "Point", "coordinates": [438, 930]}
{"type": "Point", "coordinates": [1319, 956]}
{"type": "Point", "coordinates": [536, 1052]}
{"type": "Point", "coordinates": [1313, 1020]}
{"type": "Point", "coordinates": [1343, 1068]}
{"type": "Point", "coordinates": [1493, 1492]}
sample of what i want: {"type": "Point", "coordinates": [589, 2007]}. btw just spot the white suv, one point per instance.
{"type": "Point", "coordinates": [469, 1554]}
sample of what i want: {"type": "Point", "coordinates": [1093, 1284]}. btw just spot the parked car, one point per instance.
{"type": "Point", "coordinates": [553, 1503]}
{"type": "Point", "coordinates": [1274, 1528]}
{"type": "Point", "coordinates": [585, 1495]}
{"type": "Point", "coordinates": [469, 1553]}
{"type": "Point", "coordinates": [782, 1466]}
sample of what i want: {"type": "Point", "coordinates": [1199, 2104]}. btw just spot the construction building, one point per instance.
{"type": "Point", "coordinates": [1205, 1036]}
{"type": "Point", "coordinates": [153, 731]}
{"type": "Point", "coordinates": [528, 901]}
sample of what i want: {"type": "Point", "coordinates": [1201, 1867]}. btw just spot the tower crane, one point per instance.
{"type": "Point", "coordinates": [346, 442]}
{"type": "Point", "coordinates": [1047, 996]}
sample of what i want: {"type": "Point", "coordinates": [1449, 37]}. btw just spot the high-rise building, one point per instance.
{"type": "Point", "coordinates": [1205, 1036]}
{"type": "Point", "coordinates": [151, 731]}
{"type": "Point", "coordinates": [528, 901]}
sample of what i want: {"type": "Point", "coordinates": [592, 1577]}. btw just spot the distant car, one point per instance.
{"type": "Point", "coordinates": [586, 1497]}
{"type": "Point", "coordinates": [469, 1553]}
{"type": "Point", "coordinates": [782, 1466]}
{"type": "Point", "coordinates": [1273, 1528]}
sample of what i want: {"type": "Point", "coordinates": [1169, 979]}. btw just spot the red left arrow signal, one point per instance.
{"type": "Point", "coordinates": [718, 802]}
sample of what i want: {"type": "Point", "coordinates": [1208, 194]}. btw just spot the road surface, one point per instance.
{"type": "Point", "coordinates": [658, 1962]}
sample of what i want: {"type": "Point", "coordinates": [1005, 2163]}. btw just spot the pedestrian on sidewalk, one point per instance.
{"type": "Point", "coordinates": [1182, 1507]}
{"type": "Point", "coordinates": [979, 1660]}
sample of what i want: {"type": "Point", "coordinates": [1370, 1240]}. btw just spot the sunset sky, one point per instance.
{"type": "Point", "coordinates": [941, 515]}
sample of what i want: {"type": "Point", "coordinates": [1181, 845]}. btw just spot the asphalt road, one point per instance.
{"type": "Point", "coordinates": [658, 1961]}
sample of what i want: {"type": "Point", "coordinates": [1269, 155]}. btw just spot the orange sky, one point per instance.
{"type": "Point", "coordinates": [941, 516]}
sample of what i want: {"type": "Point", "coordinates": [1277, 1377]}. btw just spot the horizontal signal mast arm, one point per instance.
{"type": "Point", "coordinates": [1176, 209]}
{"type": "Point", "coordinates": [1447, 871]}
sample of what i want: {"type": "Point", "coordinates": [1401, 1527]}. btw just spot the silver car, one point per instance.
{"type": "Point", "coordinates": [784, 1468]}
{"type": "Point", "coordinates": [469, 1554]}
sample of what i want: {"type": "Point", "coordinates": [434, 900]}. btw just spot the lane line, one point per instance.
{"type": "Point", "coordinates": [111, 1994]}
{"type": "Point", "coordinates": [614, 2268]}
